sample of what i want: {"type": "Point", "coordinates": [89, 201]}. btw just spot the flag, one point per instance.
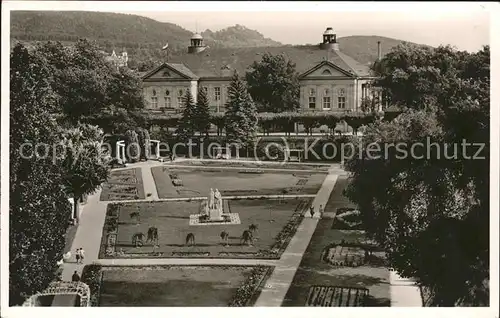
{"type": "Point", "coordinates": [165, 47]}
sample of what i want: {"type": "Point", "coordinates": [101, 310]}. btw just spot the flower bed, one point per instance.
{"type": "Point", "coordinates": [351, 255]}
{"type": "Point", "coordinates": [123, 185]}
{"type": "Point", "coordinates": [286, 234]}
{"type": "Point", "coordinates": [336, 296]}
{"type": "Point", "coordinates": [190, 253]}
{"type": "Point", "coordinates": [248, 292]}
{"type": "Point", "coordinates": [347, 219]}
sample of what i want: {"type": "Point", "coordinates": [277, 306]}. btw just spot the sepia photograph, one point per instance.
{"type": "Point", "coordinates": [249, 154]}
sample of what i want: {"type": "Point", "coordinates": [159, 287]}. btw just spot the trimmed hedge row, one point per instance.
{"type": "Point", "coordinates": [283, 121]}
{"type": "Point", "coordinates": [92, 276]}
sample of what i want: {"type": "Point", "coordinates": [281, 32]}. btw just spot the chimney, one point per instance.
{"type": "Point", "coordinates": [379, 51]}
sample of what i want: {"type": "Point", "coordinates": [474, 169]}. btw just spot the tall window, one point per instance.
{"type": "Point", "coordinates": [312, 98]}
{"type": "Point", "coordinates": [168, 101]}
{"type": "Point", "coordinates": [341, 98]}
{"type": "Point", "coordinates": [327, 102]}
{"type": "Point", "coordinates": [179, 97]}
{"type": "Point", "coordinates": [217, 94]}
{"type": "Point", "coordinates": [312, 102]}
{"type": "Point", "coordinates": [154, 100]}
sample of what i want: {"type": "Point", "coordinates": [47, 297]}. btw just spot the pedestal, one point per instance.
{"type": "Point", "coordinates": [214, 215]}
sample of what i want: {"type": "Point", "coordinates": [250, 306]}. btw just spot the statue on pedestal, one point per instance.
{"type": "Point", "coordinates": [218, 200]}
{"type": "Point", "coordinates": [211, 199]}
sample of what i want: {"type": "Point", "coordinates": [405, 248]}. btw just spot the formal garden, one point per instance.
{"type": "Point", "coordinates": [340, 266]}
{"type": "Point", "coordinates": [162, 229]}
{"type": "Point", "coordinates": [170, 286]}
{"type": "Point", "coordinates": [123, 184]}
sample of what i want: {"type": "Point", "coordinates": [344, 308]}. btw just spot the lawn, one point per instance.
{"type": "Point", "coordinates": [123, 184]}
{"type": "Point", "coordinates": [197, 181]}
{"type": "Point", "coordinates": [340, 279]}
{"type": "Point", "coordinates": [337, 199]}
{"type": "Point", "coordinates": [172, 220]}
{"type": "Point", "coordinates": [170, 286]}
{"type": "Point", "coordinates": [256, 164]}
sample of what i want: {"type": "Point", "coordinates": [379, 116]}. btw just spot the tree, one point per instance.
{"type": "Point", "coordinates": [414, 76]}
{"type": "Point", "coordinates": [132, 146]}
{"type": "Point", "coordinates": [273, 84]}
{"type": "Point", "coordinates": [87, 85]}
{"type": "Point", "coordinates": [80, 77]}
{"type": "Point", "coordinates": [141, 139]}
{"type": "Point", "coordinates": [124, 90]}
{"type": "Point", "coordinates": [431, 213]}
{"type": "Point", "coordinates": [202, 114]}
{"type": "Point", "coordinates": [241, 114]}
{"type": "Point", "coordinates": [84, 163]}
{"type": "Point", "coordinates": [187, 124]}
{"type": "Point", "coordinates": [39, 208]}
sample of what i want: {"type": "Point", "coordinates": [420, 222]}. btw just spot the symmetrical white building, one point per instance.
{"type": "Point", "coordinates": [329, 81]}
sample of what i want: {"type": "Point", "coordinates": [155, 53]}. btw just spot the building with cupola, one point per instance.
{"type": "Point", "coordinates": [329, 79]}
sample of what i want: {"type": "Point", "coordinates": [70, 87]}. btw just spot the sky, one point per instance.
{"type": "Point", "coordinates": [467, 31]}
{"type": "Point", "coordinates": [464, 25]}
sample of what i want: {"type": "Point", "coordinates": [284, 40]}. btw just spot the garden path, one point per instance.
{"type": "Point", "coordinates": [404, 292]}
{"type": "Point", "coordinates": [277, 285]}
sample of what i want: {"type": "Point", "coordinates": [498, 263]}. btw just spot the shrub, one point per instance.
{"type": "Point", "coordinates": [92, 276]}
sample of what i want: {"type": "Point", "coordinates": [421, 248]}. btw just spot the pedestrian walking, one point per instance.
{"type": "Point", "coordinates": [321, 211]}
{"type": "Point", "coordinates": [82, 255]}
{"type": "Point", "coordinates": [312, 211]}
{"type": "Point", "coordinates": [75, 277]}
{"type": "Point", "coordinates": [77, 256]}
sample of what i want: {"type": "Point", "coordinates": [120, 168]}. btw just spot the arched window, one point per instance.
{"type": "Point", "coordinates": [326, 72]}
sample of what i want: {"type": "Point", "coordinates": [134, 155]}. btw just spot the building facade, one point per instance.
{"type": "Point", "coordinates": [118, 60]}
{"type": "Point", "coordinates": [329, 79]}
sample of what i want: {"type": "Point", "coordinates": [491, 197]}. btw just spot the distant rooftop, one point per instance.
{"type": "Point", "coordinates": [216, 62]}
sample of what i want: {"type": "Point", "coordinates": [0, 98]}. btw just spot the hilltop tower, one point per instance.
{"type": "Point", "coordinates": [196, 44]}
{"type": "Point", "coordinates": [329, 40]}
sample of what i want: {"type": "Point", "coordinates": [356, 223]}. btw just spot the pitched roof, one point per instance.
{"type": "Point", "coordinates": [329, 63]}
{"type": "Point", "coordinates": [182, 69]}
{"type": "Point", "coordinates": [178, 67]}
{"type": "Point", "coordinates": [215, 62]}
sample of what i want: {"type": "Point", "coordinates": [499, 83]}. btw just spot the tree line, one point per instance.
{"type": "Point", "coordinates": [428, 211]}
{"type": "Point", "coordinates": [54, 158]}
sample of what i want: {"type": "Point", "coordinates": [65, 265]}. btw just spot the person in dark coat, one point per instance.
{"type": "Point", "coordinates": [75, 277]}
